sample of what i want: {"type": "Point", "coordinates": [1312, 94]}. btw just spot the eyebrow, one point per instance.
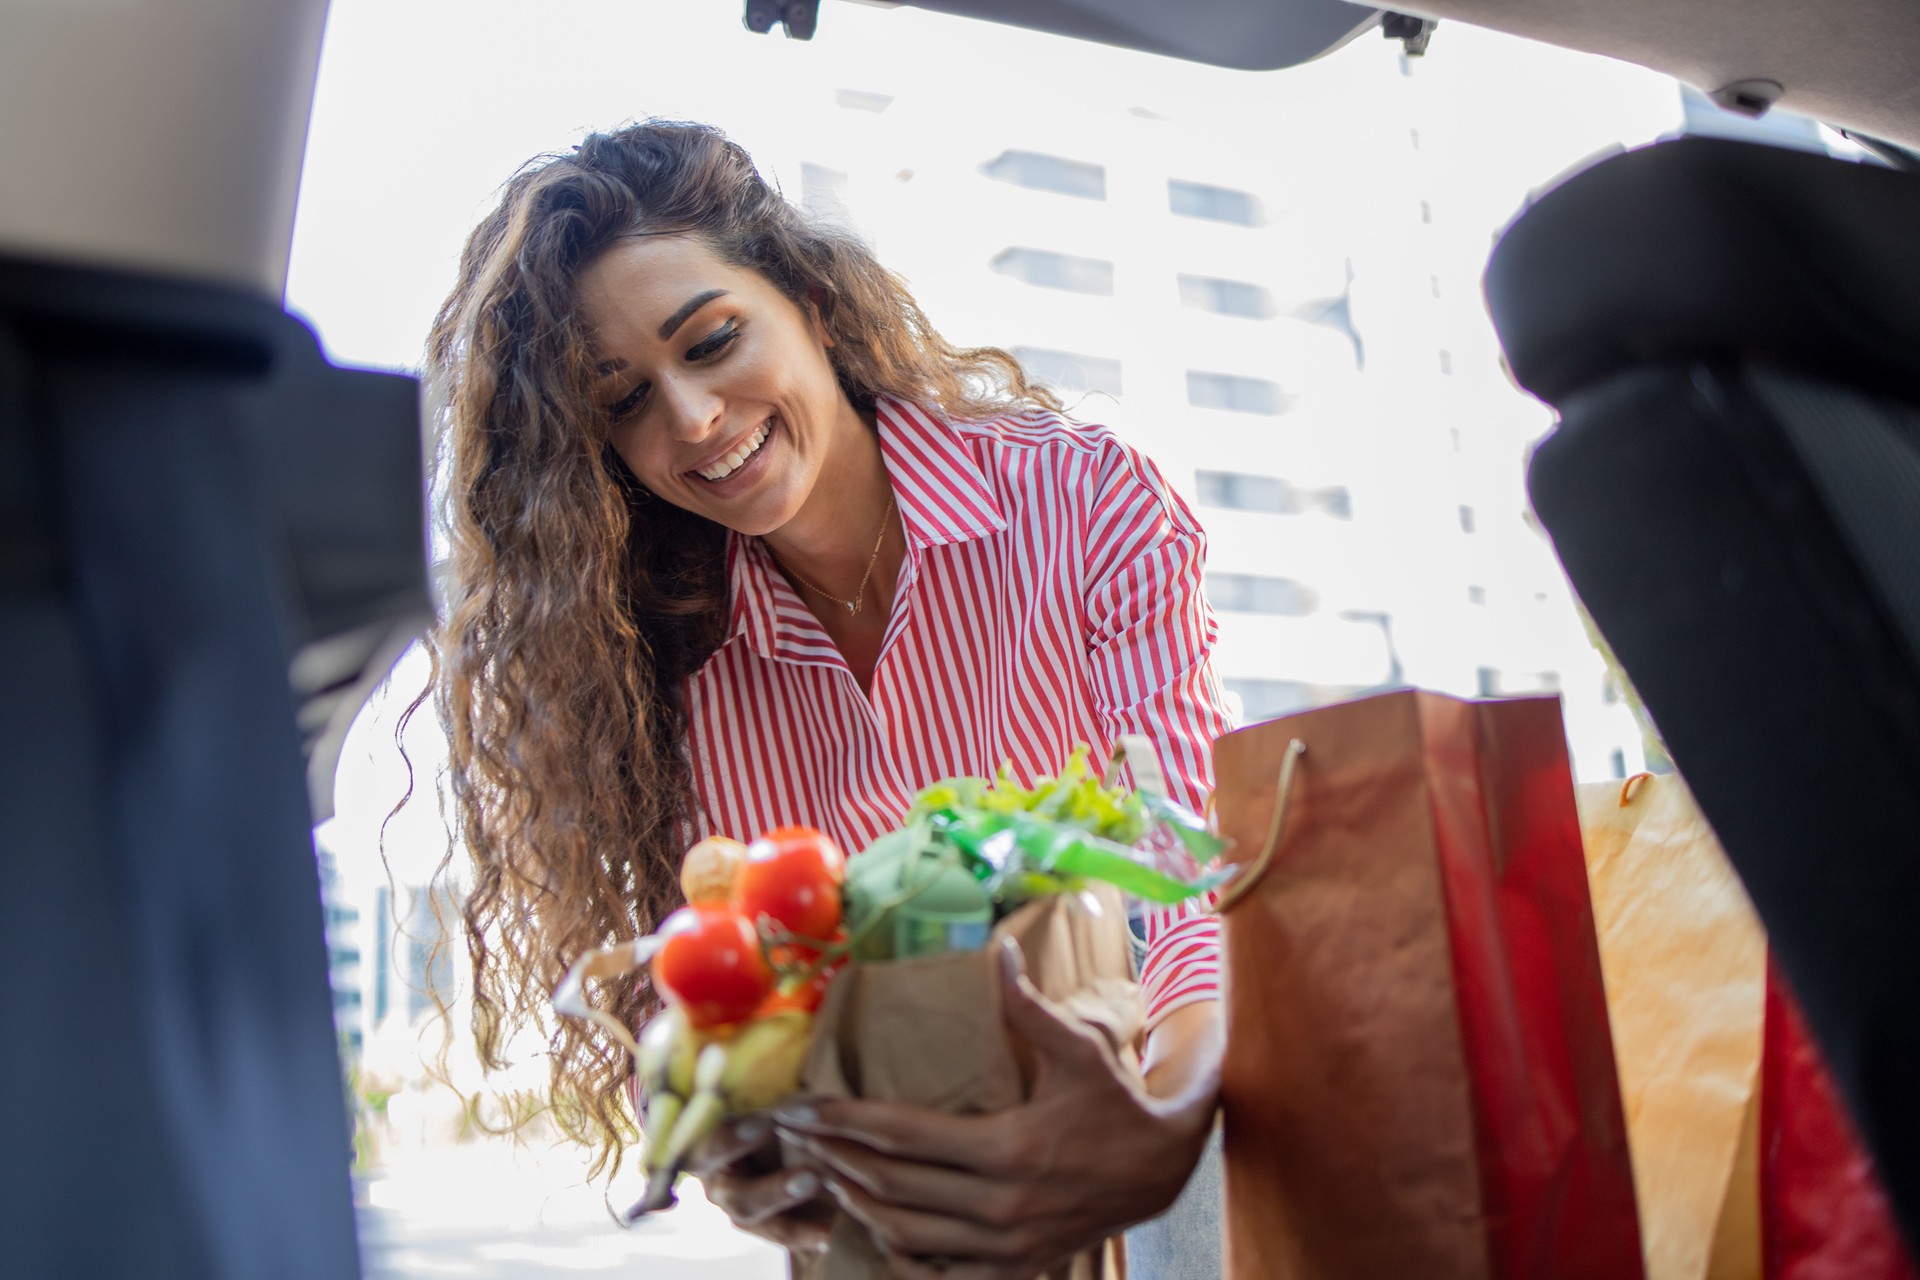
{"type": "Point", "coordinates": [673, 322]}
{"type": "Point", "coordinates": [667, 330]}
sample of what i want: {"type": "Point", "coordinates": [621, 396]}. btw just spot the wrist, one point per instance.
{"type": "Point", "coordinates": [1181, 1065]}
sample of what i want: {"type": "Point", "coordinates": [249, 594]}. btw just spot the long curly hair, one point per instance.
{"type": "Point", "coordinates": [576, 606]}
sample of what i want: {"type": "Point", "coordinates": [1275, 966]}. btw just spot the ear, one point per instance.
{"type": "Point", "coordinates": [814, 319]}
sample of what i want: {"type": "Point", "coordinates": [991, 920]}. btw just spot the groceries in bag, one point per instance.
{"type": "Point", "coordinates": [744, 967]}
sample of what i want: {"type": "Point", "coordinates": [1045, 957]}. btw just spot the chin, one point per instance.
{"type": "Point", "coordinates": [758, 519]}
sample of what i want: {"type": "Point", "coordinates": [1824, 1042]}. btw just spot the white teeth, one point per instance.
{"type": "Point", "coordinates": [735, 460]}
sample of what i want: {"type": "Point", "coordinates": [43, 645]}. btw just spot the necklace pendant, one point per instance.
{"type": "Point", "coordinates": [854, 608]}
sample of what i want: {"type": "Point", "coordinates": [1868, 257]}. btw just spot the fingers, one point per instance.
{"type": "Point", "coordinates": [912, 1185]}
{"type": "Point", "coordinates": [753, 1201]}
{"type": "Point", "coordinates": [731, 1144]}
{"type": "Point", "coordinates": [797, 1233]}
{"type": "Point", "coordinates": [1060, 1041]}
{"type": "Point", "coordinates": [903, 1231]}
{"type": "Point", "coordinates": [974, 1143]}
{"type": "Point", "coordinates": [905, 1268]}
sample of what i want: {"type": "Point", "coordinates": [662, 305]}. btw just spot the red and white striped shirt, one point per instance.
{"type": "Point", "coordinates": [1050, 595]}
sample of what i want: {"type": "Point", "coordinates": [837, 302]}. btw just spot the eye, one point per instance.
{"type": "Point", "coordinates": [625, 406]}
{"type": "Point", "coordinates": [714, 343]}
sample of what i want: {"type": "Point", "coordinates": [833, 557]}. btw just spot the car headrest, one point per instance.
{"type": "Point", "coordinates": [1709, 248]}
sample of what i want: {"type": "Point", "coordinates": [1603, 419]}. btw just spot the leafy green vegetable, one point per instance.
{"type": "Point", "coordinates": [1017, 843]}
{"type": "Point", "coordinates": [1072, 798]}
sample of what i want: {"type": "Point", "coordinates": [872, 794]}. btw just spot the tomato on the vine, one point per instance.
{"type": "Point", "coordinates": [803, 996]}
{"type": "Point", "coordinates": [711, 965]}
{"type": "Point", "coordinates": [792, 876]}
{"type": "Point", "coordinates": [789, 958]}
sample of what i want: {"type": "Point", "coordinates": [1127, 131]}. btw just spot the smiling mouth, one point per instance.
{"type": "Point", "coordinates": [739, 457]}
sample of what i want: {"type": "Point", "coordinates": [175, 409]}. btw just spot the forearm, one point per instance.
{"type": "Point", "coordinates": [1183, 1052]}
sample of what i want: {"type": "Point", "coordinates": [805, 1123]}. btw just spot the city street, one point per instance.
{"type": "Point", "coordinates": [486, 1211]}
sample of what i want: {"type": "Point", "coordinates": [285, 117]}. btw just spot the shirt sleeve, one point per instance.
{"type": "Point", "coordinates": [1150, 642]}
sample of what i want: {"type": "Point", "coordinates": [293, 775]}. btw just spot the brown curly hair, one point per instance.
{"type": "Point", "coordinates": [577, 607]}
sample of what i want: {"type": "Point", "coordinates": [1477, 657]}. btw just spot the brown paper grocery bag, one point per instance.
{"type": "Point", "coordinates": [1685, 963]}
{"type": "Point", "coordinates": [1418, 1079]}
{"type": "Point", "coordinates": [929, 1031]}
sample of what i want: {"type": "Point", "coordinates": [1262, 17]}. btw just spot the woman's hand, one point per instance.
{"type": "Point", "coordinates": [739, 1168]}
{"type": "Point", "coordinates": [1006, 1196]}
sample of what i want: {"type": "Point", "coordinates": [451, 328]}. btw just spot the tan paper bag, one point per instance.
{"type": "Point", "coordinates": [929, 1031]}
{"type": "Point", "coordinates": [1418, 1079]}
{"type": "Point", "coordinates": [1685, 964]}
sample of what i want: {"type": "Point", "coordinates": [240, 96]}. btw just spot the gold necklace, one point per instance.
{"type": "Point", "coordinates": [851, 606]}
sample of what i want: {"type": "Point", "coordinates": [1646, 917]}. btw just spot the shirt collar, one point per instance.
{"type": "Point", "coordinates": [944, 498]}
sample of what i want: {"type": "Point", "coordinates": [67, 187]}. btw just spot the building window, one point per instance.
{"type": "Point", "coordinates": [1229, 391]}
{"type": "Point", "coordinates": [1226, 297]}
{"type": "Point", "coordinates": [1215, 204]}
{"type": "Point", "coordinates": [823, 192]}
{"type": "Point", "coordinates": [1253, 593]}
{"type": "Point", "coordinates": [1056, 270]}
{"type": "Point", "coordinates": [382, 953]}
{"type": "Point", "coordinates": [1609, 690]}
{"type": "Point", "coordinates": [860, 100]}
{"type": "Point", "coordinates": [1446, 361]}
{"type": "Point", "coordinates": [428, 960]}
{"type": "Point", "coordinates": [1049, 173]}
{"type": "Point", "coordinates": [1069, 371]}
{"type": "Point", "coordinates": [1237, 491]}
{"type": "Point", "coordinates": [1476, 595]}
{"type": "Point", "coordinates": [1619, 763]}
{"type": "Point", "coordinates": [1466, 519]}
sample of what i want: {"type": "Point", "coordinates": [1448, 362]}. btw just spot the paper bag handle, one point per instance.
{"type": "Point", "coordinates": [570, 997]}
{"type": "Point", "coordinates": [1135, 751]}
{"type": "Point", "coordinates": [1251, 873]}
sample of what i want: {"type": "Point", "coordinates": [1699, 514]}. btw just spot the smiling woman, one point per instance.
{"type": "Point", "coordinates": [705, 460]}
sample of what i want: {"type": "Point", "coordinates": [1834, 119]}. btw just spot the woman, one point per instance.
{"type": "Point", "coordinates": [740, 541]}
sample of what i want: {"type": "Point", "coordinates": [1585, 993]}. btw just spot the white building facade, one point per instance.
{"type": "Point", "coordinates": [1285, 313]}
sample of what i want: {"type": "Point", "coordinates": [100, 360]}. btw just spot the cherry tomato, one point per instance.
{"type": "Point", "coordinates": [788, 958]}
{"type": "Point", "coordinates": [792, 876]}
{"type": "Point", "coordinates": [805, 996]}
{"type": "Point", "coordinates": [710, 964]}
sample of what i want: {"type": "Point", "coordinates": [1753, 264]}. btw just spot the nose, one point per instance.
{"type": "Point", "coordinates": [693, 411]}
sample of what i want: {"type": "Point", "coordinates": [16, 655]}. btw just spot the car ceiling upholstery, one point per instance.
{"type": "Point", "coordinates": [1854, 63]}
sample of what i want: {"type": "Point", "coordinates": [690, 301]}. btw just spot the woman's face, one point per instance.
{"type": "Point", "coordinates": [721, 393]}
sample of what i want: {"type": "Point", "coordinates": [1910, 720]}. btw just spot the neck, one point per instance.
{"type": "Point", "coordinates": [830, 541]}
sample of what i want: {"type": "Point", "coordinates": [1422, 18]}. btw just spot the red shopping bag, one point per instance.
{"type": "Point", "coordinates": [1823, 1214]}
{"type": "Point", "coordinates": [1420, 1079]}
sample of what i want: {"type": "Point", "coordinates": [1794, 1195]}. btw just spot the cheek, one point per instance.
{"type": "Point", "coordinates": [646, 466]}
